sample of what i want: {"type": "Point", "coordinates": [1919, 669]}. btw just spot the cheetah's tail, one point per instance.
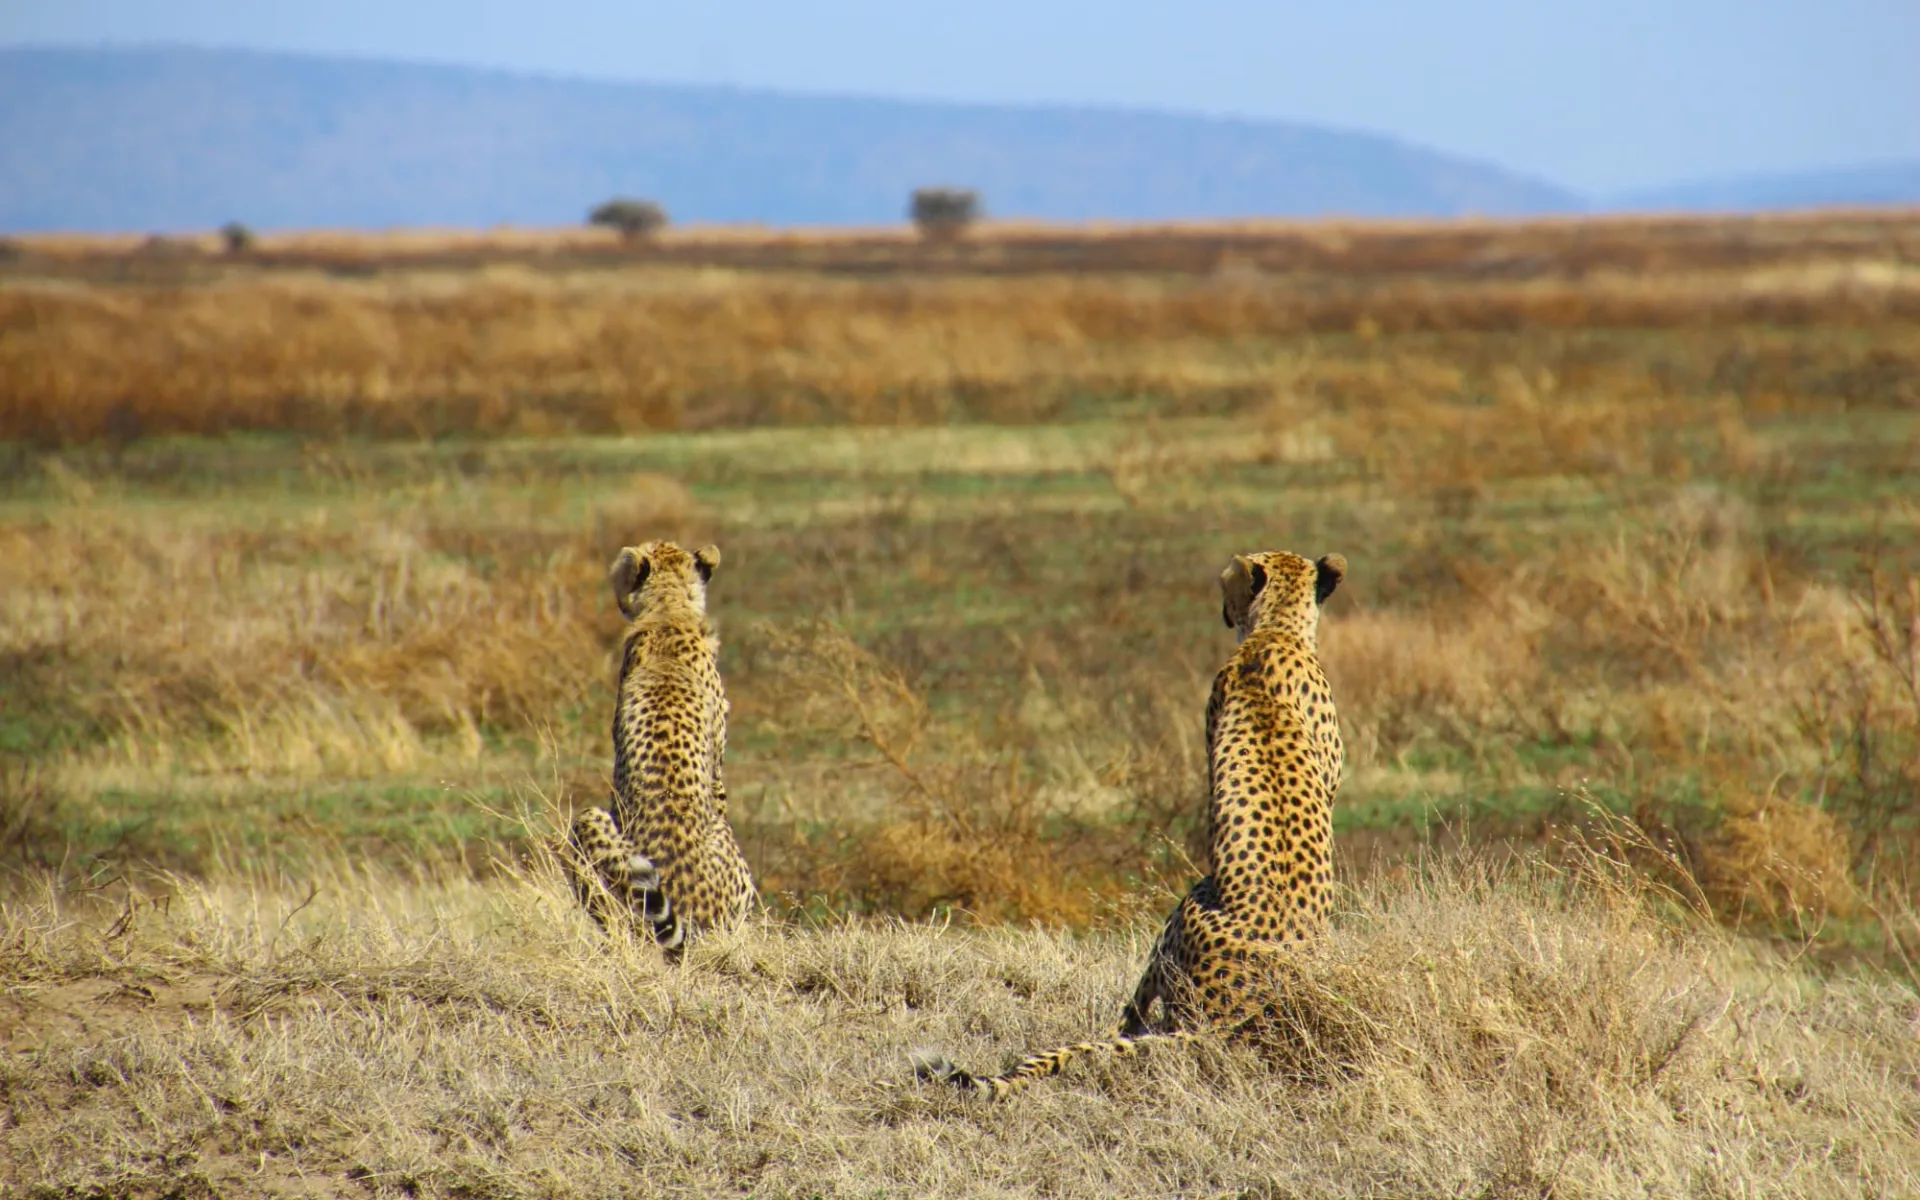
{"type": "Point", "coordinates": [654, 905]}
{"type": "Point", "coordinates": [937, 1067]}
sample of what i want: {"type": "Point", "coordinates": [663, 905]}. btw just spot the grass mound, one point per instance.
{"type": "Point", "coordinates": [1469, 1029]}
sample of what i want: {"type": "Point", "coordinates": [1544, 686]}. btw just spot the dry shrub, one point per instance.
{"type": "Point", "coordinates": [1668, 644]}
{"type": "Point", "coordinates": [302, 649]}
{"type": "Point", "coordinates": [1548, 993]}
{"type": "Point", "coordinates": [1402, 676]}
{"type": "Point", "coordinates": [1859, 717]}
{"type": "Point", "coordinates": [964, 826]}
{"type": "Point", "coordinates": [649, 506]}
{"type": "Point", "coordinates": [820, 678]}
{"type": "Point", "coordinates": [30, 805]}
{"type": "Point", "coordinates": [1430, 433]}
{"type": "Point", "coordinates": [1776, 860]}
{"type": "Point", "coordinates": [1679, 595]}
{"type": "Point", "coordinates": [917, 867]}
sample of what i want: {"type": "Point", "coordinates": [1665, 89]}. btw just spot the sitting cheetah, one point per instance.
{"type": "Point", "coordinates": [665, 851]}
{"type": "Point", "coordinates": [1274, 759]}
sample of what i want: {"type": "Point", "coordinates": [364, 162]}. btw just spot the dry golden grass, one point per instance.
{"type": "Point", "coordinates": [486, 343]}
{"type": "Point", "coordinates": [329, 653]}
{"type": "Point", "coordinates": [1467, 1030]}
{"type": "Point", "coordinates": [1774, 859]}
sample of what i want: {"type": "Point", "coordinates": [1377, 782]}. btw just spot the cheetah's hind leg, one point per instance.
{"type": "Point", "coordinates": [597, 862]}
{"type": "Point", "coordinates": [1156, 983]}
{"type": "Point", "coordinates": [607, 870]}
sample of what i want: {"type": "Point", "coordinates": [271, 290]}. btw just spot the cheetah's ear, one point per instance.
{"type": "Point", "coordinates": [705, 559]}
{"type": "Point", "coordinates": [1332, 569]}
{"type": "Point", "coordinates": [1239, 584]}
{"type": "Point", "coordinates": [628, 572]}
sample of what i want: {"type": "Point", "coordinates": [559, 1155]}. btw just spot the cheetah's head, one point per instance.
{"type": "Point", "coordinates": [659, 575]}
{"type": "Point", "coordinates": [1275, 589]}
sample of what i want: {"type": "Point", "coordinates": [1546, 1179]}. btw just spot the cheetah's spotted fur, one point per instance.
{"type": "Point", "coordinates": [665, 852]}
{"type": "Point", "coordinates": [1274, 762]}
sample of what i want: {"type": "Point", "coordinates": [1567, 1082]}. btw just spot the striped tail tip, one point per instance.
{"type": "Point", "coordinates": [931, 1066]}
{"type": "Point", "coordinates": [655, 906]}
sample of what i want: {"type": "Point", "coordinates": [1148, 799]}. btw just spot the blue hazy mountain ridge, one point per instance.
{"type": "Point", "coordinates": [1889, 183]}
{"type": "Point", "coordinates": [174, 138]}
{"type": "Point", "coordinates": [170, 138]}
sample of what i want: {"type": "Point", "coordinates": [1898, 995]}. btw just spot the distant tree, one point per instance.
{"type": "Point", "coordinates": [634, 219]}
{"type": "Point", "coordinates": [943, 213]}
{"type": "Point", "coordinates": [237, 237]}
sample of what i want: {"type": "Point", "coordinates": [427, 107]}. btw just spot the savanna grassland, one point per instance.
{"type": "Point", "coordinates": [305, 648]}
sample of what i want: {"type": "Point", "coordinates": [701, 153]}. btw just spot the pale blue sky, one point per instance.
{"type": "Point", "coordinates": [1602, 97]}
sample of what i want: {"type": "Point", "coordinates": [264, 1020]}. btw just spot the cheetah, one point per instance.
{"type": "Point", "coordinates": [665, 850]}
{"type": "Point", "coordinates": [1274, 758]}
